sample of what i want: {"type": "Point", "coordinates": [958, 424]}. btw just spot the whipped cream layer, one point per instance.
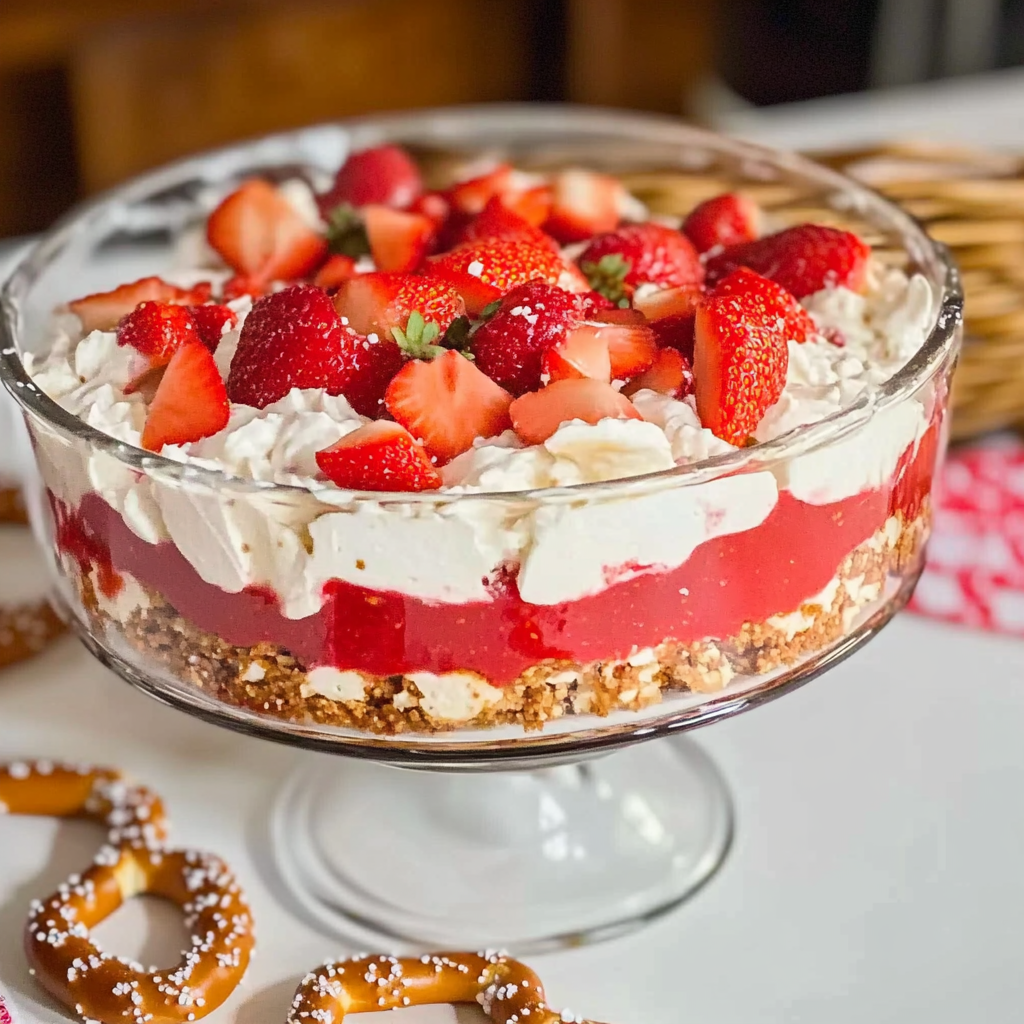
{"type": "Point", "coordinates": [448, 551]}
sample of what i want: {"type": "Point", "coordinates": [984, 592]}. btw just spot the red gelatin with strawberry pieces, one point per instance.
{"type": "Point", "coordinates": [746, 577]}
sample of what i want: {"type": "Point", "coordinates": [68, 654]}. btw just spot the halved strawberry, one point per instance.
{"type": "Point", "coordinates": [473, 194]}
{"type": "Point", "coordinates": [669, 374]}
{"type": "Point", "coordinates": [773, 298]}
{"type": "Point", "coordinates": [630, 341]}
{"type": "Point", "coordinates": [537, 415]}
{"type": "Point", "coordinates": [399, 241]}
{"type": "Point", "coordinates": [190, 402]}
{"type": "Point", "coordinates": [261, 236]}
{"type": "Point", "coordinates": [671, 313]}
{"type": "Point", "coordinates": [635, 254]}
{"type": "Point", "coordinates": [379, 456]}
{"type": "Point", "coordinates": [157, 330]}
{"type": "Point", "coordinates": [724, 220]}
{"type": "Point", "coordinates": [482, 272]}
{"type": "Point", "coordinates": [804, 259]}
{"type": "Point", "coordinates": [335, 272]}
{"type": "Point", "coordinates": [496, 220]}
{"type": "Point", "coordinates": [213, 320]}
{"type": "Point", "coordinates": [384, 174]}
{"type": "Point", "coordinates": [584, 203]}
{"type": "Point", "coordinates": [291, 339]}
{"type": "Point", "coordinates": [740, 359]}
{"type": "Point", "coordinates": [368, 366]}
{"type": "Point", "coordinates": [510, 345]}
{"type": "Point", "coordinates": [103, 311]}
{"type": "Point", "coordinates": [432, 205]}
{"type": "Point", "coordinates": [376, 303]}
{"type": "Point", "coordinates": [583, 352]}
{"type": "Point", "coordinates": [532, 204]}
{"type": "Point", "coordinates": [447, 404]}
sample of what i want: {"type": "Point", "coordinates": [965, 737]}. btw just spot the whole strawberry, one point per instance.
{"type": "Point", "coordinates": [510, 346]}
{"type": "Point", "coordinates": [385, 174]}
{"type": "Point", "coordinates": [618, 262]}
{"type": "Point", "coordinates": [740, 359]}
{"type": "Point", "coordinates": [728, 219]}
{"type": "Point", "coordinates": [484, 271]}
{"type": "Point", "coordinates": [290, 339]}
{"type": "Point", "coordinates": [804, 259]}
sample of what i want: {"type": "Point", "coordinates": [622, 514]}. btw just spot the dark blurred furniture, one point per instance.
{"type": "Point", "coordinates": [92, 91]}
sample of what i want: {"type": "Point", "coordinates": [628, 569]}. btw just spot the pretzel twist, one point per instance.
{"type": "Point", "coordinates": [67, 963]}
{"type": "Point", "coordinates": [507, 990]}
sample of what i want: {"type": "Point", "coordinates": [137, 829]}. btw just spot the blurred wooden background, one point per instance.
{"type": "Point", "coordinates": [93, 91]}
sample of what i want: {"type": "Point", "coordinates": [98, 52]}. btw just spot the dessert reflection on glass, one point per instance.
{"type": "Point", "coordinates": [458, 350]}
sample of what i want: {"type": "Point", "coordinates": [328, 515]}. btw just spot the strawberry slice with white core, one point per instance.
{"type": "Point", "coordinates": [399, 241]}
{"type": "Point", "coordinates": [584, 203]}
{"type": "Point", "coordinates": [447, 404]}
{"type": "Point", "coordinates": [103, 311]}
{"type": "Point", "coordinates": [582, 353]}
{"type": "Point", "coordinates": [262, 237]}
{"type": "Point", "coordinates": [671, 313]}
{"type": "Point", "coordinates": [380, 456]}
{"type": "Point", "coordinates": [335, 272]}
{"type": "Point", "coordinates": [630, 340]}
{"type": "Point", "coordinates": [724, 220]}
{"type": "Point", "coordinates": [385, 175]}
{"type": "Point", "coordinates": [669, 374]}
{"type": "Point", "coordinates": [473, 194]}
{"type": "Point", "coordinates": [190, 403]}
{"type": "Point", "coordinates": [536, 416]}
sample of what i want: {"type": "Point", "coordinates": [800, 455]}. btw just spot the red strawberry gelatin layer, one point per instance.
{"type": "Point", "coordinates": [728, 581]}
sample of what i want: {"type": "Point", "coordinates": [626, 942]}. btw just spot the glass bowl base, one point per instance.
{"type": "Point", "coordinates": [557, 857]}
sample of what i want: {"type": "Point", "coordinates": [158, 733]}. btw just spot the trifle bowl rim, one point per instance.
{"type": "Point", "coordinates": [947, 303]}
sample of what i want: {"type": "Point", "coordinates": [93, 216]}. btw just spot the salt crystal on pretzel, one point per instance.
{"type": "Point", "coordinates": [67, 963]}
{"type": "Point", "coordinates": [508, 991]}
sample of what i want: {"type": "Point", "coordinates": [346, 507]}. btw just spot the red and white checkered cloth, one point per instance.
{"type": "Point", "coordinates": [975, 572]}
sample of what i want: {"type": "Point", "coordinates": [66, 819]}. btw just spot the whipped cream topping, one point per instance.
{"type": "Point", "coordinates": [449, 551]}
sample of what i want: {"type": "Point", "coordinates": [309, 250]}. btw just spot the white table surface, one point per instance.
{"type": "Point", "coordinates": [875, 875]}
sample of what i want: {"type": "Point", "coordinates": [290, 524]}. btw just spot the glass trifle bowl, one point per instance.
{"type": "Point", "coordinates": [477, 629]}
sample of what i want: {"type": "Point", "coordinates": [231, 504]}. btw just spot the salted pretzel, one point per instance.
{"type": "Point", "coordinates": [507, 990]}
{"type": "Point", "coordinates": [63, 957]}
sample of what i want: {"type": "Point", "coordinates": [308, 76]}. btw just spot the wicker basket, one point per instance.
{"type": "Point", "coordinates": [972, 201]}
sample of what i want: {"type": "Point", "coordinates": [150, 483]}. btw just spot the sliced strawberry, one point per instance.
{"type": "Point", "coordinates": [804, 259]}
{"type": "Point", "coordinates": [157, 330]}
{"type": "Point", "coordinates": [669, 374]}
{"type": "Point", "coordinates": [472, 195]}
{"type": "Point", "coordinates": [290, 339]}
{"type": "Point", "coordinates": [368, 367]}
{"type": "Point", "coordinates": [532, 204]}
{"type": "Point", "coordinates": [377, 303]}
{"type": "Point", "coordinates": [537, 415]}
{"type": "Point", "coordinates": [773, 298]}
{"type": "Point", "coordinates": [635, 254]}
{"type": "Point", "coordinates": [630, 340]}
{"type": "Point", "coordinates": [213, 320]}
{"type": "Point", "coordinates": [584, 203]}
{"type": "Point", "coordinates": [190, 402]}
{"type": "Point", "coordinates": [432, 205]}
{"type": "Point", "coordinates": [510, 346]}
{"type": "Point", "coordinates": [671, 313]}
{"type": "Point", "coordinates": [740, 361]}
{"type": "Point", "coordinates": [379, 457]}
{"type": "Point", "coordinates": [261, 236]}
{"type": "Point", "coordinates": [496, 220]}
{"type": "Point", "coordinates": [239, 285]}
{"type": "Point", "coordinates": [386, 175]}
{"type": "Point", "coordinates": [399, 241]}
{"type": "Point", "coordinates": [482, 272]}
{"type": "Point", "coordinates": [146, 381]}
{"type": "Point", "coordinates": [728, 219]}
{"type": "Point", "coordinates": [104, 310]}
{"type": "Point", "coordinates": [583, 352]}
{"type": "Point", "coordinates": [335, 272]}
{"type": "Point", "coordinates": [447, 404]}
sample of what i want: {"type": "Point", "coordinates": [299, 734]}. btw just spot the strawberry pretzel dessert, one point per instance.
{"type": "Point", "coordinates": [440, 442]}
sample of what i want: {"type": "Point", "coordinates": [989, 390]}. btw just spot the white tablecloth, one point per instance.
{"type": "Point", "coordinates": [875, 875]}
